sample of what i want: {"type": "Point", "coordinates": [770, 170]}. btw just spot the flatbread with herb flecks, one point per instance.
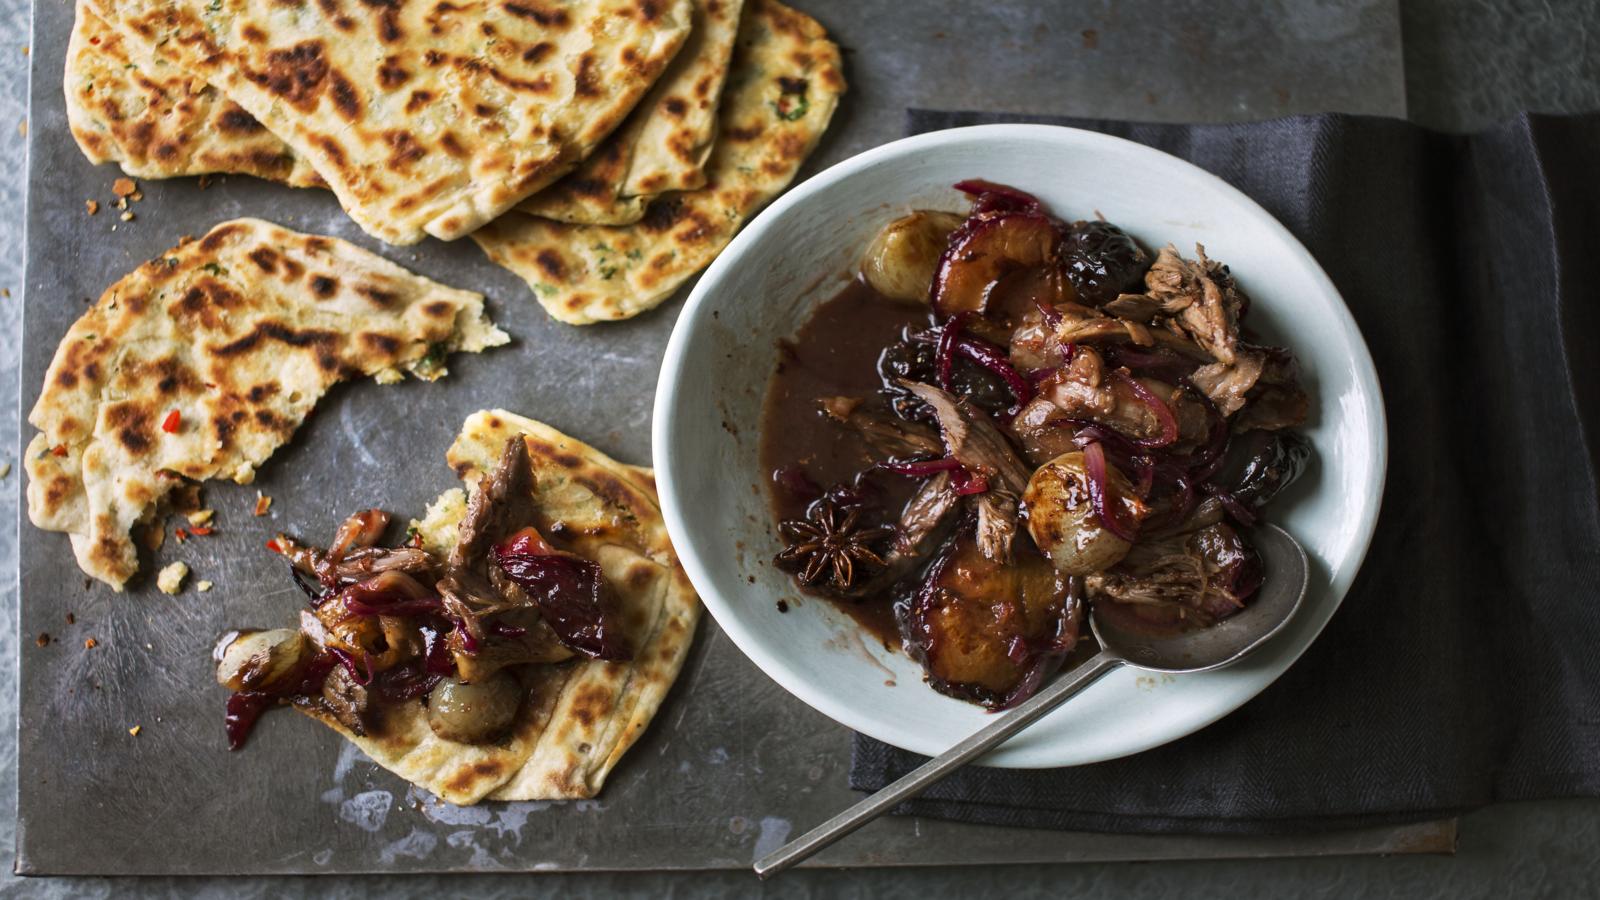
{"type": "Point", "coordinates": [665, 142]}
{"type": "Point", "coordinates": [203, 361]}
{"type": "Point", "coordinates": [424, 118]}
{"type": "Point", "coordinates": [783, 86]}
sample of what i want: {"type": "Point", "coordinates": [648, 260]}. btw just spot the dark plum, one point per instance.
{"type": "Point", "coordinates": [1101, 261]}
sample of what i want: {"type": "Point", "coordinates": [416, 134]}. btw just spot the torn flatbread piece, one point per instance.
{"type": "Point", "coordinates": [782, 89]}
{"type": "Point", "coordinates": [160, 122]}
{"type": "Point", "coordinates": [423, 118]}
{"type": "Point", "coordinates": [550, 712]}
{"type": "Point", "coordinates": [203, 361]}
{"type": "Point", "coordinates": [665, 142]}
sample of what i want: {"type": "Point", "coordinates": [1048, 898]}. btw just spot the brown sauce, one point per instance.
{"type": "Point", "coordinates": [835, 353]}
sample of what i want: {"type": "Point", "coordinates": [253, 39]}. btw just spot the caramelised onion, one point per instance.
{"type": "Point", "coordinates": [245, 707]}
{"type": "Point", "coordinates": [1094, 464]}
{"type": "Point", "coordinates": [1157, 407]}
{"type": "Point", "coordinates": [951, 341]}
{"type": "Point", "coordinates": [360, 671]}
{"type": "Point", "coordinates": [569, 591]}
{"type": "Point", "coordinates": [944, 357]}
{"type": "Point", "coordinates": [925, 468]}
{"type": "Point", "coordinates": [989, 196]}
{"type": "Point", "coordinates": [390, 594]}
{"type": "Point", "coordinates": [474, 713]}
{"type": "Point", "coordinates": [362, 529]}
{"type": "Point", "coordinates": [261, 660]}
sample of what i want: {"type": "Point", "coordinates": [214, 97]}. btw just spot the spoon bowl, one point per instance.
{"type": "Point", "coordinates": [1283, 588]}
{"type": "Point", "coordinates": [1285, 575]}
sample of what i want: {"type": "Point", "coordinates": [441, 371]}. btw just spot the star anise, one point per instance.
{"type": "Point", "coordinates": [830, 542]}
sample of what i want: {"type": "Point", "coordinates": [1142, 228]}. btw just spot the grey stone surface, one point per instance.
{"type": "Point", "coordinates": [1472, 62]}
{"type": "Point", "coordinates": [1544, 849]}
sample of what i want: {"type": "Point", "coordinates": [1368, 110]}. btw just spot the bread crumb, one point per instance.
{"type": "Point", "coordinates": [201, 516]}
{"type": "Point", "coordinates": [127, 216]}
{"type": "Point", "coordinates": [90, 643]}
{"type": "Point", "coordinates": [135, 730]}
{"type": "Point", "coordinates": [5, 469]}
{"type": "Point", "coordinates": [43, 639]}
{"type": "Point", "coordinates": [202, 586]}
{"type": "Point", "coordinates": [263, 503]}
{"type": "Point", "coordinates": [22, 128]}
{"type": "Point", "coordinates": [122, 187]}
{"type": "Point", "coordinates": [93, 206]}
{"type": "Point", "coordinates": [170, 579]}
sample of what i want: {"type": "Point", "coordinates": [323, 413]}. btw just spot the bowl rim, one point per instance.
{"type": "Point", "coordinates": [793, 679]}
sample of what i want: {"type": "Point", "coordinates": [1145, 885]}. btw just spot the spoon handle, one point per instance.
{"type": "Point", "coordinates": [925, 776]}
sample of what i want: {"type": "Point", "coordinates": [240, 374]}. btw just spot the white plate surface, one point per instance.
{"type": "Point", "coordinates": [801, 249]}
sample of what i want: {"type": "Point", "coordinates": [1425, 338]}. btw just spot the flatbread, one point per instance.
{"type": "Point", "coordinates": [159, 122]}
{"type": "Point", "coordinates": [582, 715]}
{"type": "Point", "coordinates": [665, 142]}
{"type": "Point", "coordinates": [239, 332]}
{"type": "Point", "coordinates": [782, 89]}
{"type": "Point", "coordinates": [424, 118]}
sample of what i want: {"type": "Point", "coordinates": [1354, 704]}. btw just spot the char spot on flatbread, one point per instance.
{"type": "Point", "coordinates": [743, 134]}
{"type": "Point", "coordinates": [585, 82]}
{"type": "Point", "coordinates": [334, 152]}
{"type": "Point", "coordinates": [536, 53]}
{"type": "Point", "coordinates": [550, 18]}
{"type": "Point", "coordinates": [405, 150]}
{"type": "Point", "coordinates": [345, 96]}
{"type": "Point", "coordinates": [591, 704]}
{"type": "Point", "coordinates": [550, 262]}
{"type": "Point", "coordinates": [382, 344]}
{"type": "Point", "coordinates": [275, 331]}
{"type": "Point", "coordinates": [438, 310]}
{"type": "Point", "coordinates": [418, 100]}
{"type": "Point", "coordinates": [297, 75]}
{"type": "Point", "coordinates": [237, 121]}
{"type": "Point", "coordinates": [324, 286]}
{"type": "Point", "coordinates": [265, 258]}
{"type": "Point", "coordinates": [466, 777]}
{"type": "Point", "coordinates": [132, 426]}
{"type": "Point", "coordinates": [383, 299]}
{"type": "Point", "coordinates": [260, 393]}
{"type": "Point", "coordinates": [391, 75]}
{"type": "Point", "coordinates": [218, 236]}
{"type": "Point", "coordinates": [452, 145]}
{"type": "Point", "coordinates": [676, 106]}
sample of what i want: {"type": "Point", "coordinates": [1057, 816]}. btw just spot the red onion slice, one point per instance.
{"type": "Point", "coordinates": [923, 468]}
{"type": "Point", "coordinates": [1157, 406]}
{"type": "Point", "coordinates": [1094, 464]}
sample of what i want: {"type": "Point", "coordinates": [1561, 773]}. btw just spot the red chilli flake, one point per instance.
{"type": "Point", "coordinates": [171, 422]}
{"type": "Point", "coordinates": [200, 530]}
{"type": "Point", "coordinates": [58, 450]}
{"type": "Point", "coordinates": [274, 546]}
{"type": "Point", "coordinates": [181, 533]}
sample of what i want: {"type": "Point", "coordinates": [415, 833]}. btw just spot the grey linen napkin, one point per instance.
{"type": "Point", "coordinates": [1464, 666]}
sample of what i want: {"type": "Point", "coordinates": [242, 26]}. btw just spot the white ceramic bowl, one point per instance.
{"type": "Point", "coordinates": [805, 246]}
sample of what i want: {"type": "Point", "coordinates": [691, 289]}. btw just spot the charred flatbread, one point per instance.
{"type": "Point", "coordinates": [783, 86]}
{"type": "Point", "coordinates": [203, 361]}
{"type": "Point", "coordinates": [665, 142]}
{"type": "Point", "coordinates": [575, 716]}
{"type": "Point", "coordinates": [422, 118]}
{"type": "Point", "coordinates": [160, 121]}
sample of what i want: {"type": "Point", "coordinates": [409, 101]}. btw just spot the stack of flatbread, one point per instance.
{"type": "Point", "coordinates": [602, 150]}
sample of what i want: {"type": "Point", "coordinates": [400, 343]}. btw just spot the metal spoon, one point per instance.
{"type": "Point", "coordinates": [1286, 575]}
